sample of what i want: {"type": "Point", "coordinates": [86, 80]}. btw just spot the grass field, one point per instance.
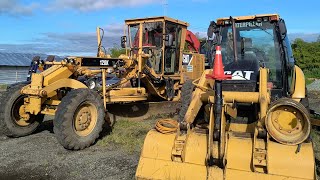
{"type": "Point", "coordinates": [3, 86]}
{"type": "Point", "coordinates": [129, 135]}
{"type": "Point", "coordinates": [309, 81]}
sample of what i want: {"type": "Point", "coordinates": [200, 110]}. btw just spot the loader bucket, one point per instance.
{"type": "Point", "coordinates": [160, 160]}
{"type": "Point", "coordinates": [156, 159]}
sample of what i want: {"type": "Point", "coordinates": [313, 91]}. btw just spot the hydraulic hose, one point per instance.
{"type": "Point", "coordinates": [167, 126]}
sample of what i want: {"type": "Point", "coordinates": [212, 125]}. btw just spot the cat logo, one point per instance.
{"type": "Point", "coordinates": [104, 62]}
{"type": "Point", "coordinates": [240, 75]}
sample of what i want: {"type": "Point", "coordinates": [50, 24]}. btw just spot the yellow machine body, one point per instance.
{"type": "Point", "coordinates": [218, 138]}
{"type": "Point", "coordinates": [244, 155]}
{"type": "Point", "coordinates": [153, 67]}
{"type": "Point", "coordinates": [43, 96]}
{"type": "Point", "coordinates": [283, 161]}
{"type": "Point", "coordinates": [213, 142]}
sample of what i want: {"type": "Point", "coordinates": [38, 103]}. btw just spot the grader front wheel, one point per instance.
{"type": "Point", "coordinates": [79, 119]}
{"type": "Point", "coordinates": [15, 121]}
{"type": "Point", "coordinates": [85, 119]}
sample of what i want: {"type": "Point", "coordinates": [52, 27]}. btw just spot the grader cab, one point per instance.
{"type": "Point", "coordinates": [154, 68]}
{"type": "Point", "coordinates": [245, 119]}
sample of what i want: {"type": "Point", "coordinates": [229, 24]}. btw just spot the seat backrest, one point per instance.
{"type": "Point", "coordinates": [249, 53]}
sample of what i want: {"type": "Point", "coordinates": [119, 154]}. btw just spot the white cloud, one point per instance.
{"type": "Point", "coordinates": [16, 8]}
{"type": "Point", "coordinates": [92, 5]}
{"type": "Point", "coordinates": [75, 44]}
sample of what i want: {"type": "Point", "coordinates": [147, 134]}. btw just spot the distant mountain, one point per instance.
{"type": "Point", "coordinates": [20, 59]}
{"type": "Point", "coordinates": [308, 37]}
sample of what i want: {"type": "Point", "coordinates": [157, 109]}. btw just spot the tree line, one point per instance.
{"type": "Point", "coordinates": [307, 56]}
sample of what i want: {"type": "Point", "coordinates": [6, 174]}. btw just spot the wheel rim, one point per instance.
{"type": "Point", "coordinates": [288, 123]}
{"type": "Point", "coordinates": [16, 110]}
{"type": "Point", "coordinates": [85, 119]}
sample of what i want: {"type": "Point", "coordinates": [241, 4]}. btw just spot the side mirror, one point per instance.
{"type": "Point", "coordinates": [211, 29]}
{"type": "Point", "coordinates": [283, 28]}
{"type": "Point", "coordinates": [123, 41]}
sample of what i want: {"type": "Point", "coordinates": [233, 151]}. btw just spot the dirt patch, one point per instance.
{"type": "Point", "coordinates": [129, 135]}
{"type": "Point", "coordinates": [40, 156]}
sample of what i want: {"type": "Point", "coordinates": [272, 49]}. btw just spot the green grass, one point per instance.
{"type": "Point", "coordinates": [314, 73]}
{"type": "Point", "coordinates": [3, 86]}
{"type": "Point", "coordinates": [129, 135]}
{"type": "Point", "coordinates": [309, 81]}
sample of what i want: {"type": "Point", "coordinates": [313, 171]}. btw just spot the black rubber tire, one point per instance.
{"type": "Point", "coordinates": [63, 124]}
{"type": "Point", "coordinates": [10, 98]}
{"type": "Point", "coordinates": [185, 98]}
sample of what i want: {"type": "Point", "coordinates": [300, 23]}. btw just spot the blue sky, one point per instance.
{"type": "Point", "coordinates": [68, 26]}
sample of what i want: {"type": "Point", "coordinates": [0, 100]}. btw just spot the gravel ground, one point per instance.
{"type": "Point", "coordinates": [40, 156]}
{"type": "Point", "coordinates": [314, 100]}
{"type": "Point", "coordinates": [314, 86]}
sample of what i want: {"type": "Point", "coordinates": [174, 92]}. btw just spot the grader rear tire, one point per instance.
{"type": "Point", "coordinates": [79, 119]}
{"type": "Point", "coordinates": [11, 123]}
{"type": "Point", "coordinates": [186, 96]}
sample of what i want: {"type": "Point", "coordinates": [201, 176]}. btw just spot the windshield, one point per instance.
{"type": "Point", "coordinates": [151, 34]}
{"type": "Point", "coordinates": [257, 46]}
{"type": "Point", "coordinates": [134, 35]}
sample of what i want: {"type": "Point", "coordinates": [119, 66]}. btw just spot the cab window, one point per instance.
{"type": "Point", "coordinates": [172, 48]}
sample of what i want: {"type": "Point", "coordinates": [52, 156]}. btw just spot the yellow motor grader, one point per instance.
{"type": "Point", "coordinates": [153, 69]}
{"type": "Point", "coordinates": [248, 120]}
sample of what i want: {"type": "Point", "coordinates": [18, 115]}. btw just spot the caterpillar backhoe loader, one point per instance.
{"type": "Point", "coordinates": [246, 120]}
{"type": "Point", "coordinates": [153, 69]}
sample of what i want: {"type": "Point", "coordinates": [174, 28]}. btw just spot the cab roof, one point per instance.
{"type": "Point", "coordinates": [156, 18]}
{"type": "Point", "coordinates": [276, 16]}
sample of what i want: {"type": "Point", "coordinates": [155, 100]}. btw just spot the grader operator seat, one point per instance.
{"type": "Point", "coordinates": [152, 44]}
{"type": "Point", "coordinates": [248, 49]}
